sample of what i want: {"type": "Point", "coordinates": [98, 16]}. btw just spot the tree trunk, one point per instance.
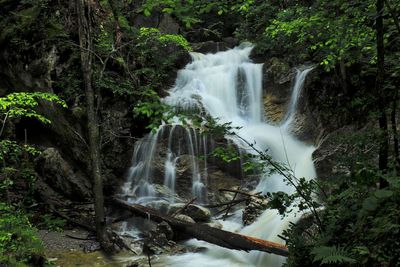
{"type": "Point", "coordinates": [383, 124]}
{"type": "Point", "coordinates": [118, 33]}
{"type": "Point", "coordinates": [83, 9]}
{"type": "Point", "coordinates": [204, 232]}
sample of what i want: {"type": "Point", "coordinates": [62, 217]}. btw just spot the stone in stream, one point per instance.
{"type": "Point", "coordinates": [184, 218]}
{"type": "Point", "coordinates": [254, 208]}
{"type": "Point", "coordinates": [159, 241]}
{"type": "Point", "coordinates": [196, 212]}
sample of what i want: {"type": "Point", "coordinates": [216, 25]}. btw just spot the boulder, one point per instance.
{"type": "Point", "coordinates": [159, 241]}
{"type": "Point", "coordinates": [254, 208]}
{"type": "Point", "coordinates": [214, 47]}
{"type": "Point", "coordinates": [184, 218]}
{"type": "Point", "coordinates": [165, 229]}
{"type": "Point", "coordinates": [196, 212]}
{"type": "Point", "coordinates": [61, 176]}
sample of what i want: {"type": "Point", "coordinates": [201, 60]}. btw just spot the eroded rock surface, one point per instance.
{"type": "Point", "coordinates": [62, 177]}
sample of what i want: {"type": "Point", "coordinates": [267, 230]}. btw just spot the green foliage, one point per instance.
{"type": "Point", "coordinates": [331, 255]}
{"type": "Point", "coordinates": [155, 112]}
{"type": "Point", "coordinates": [360, 225]}
{"type": "Point", "coordinates": [11, 151]}
{"type": "Point", "coordinates": [69, 84]}
{"type": "Point", "coordinates": [52, 223]}
{"type": "Point", "coordinates": [138, 65]}
{"type": "Point", "coordinates": [165, 38]}
{"type": "Point", "coordinates": [19, 244]}
{"type": "Point", "coordinates": [330, 37]}
{"type": "Point", "coordinates": [30, 26]}
{"type": "Point", "coordinates": [190, 12]}
{"type": "Point", "coordinates": [17, 105]}
{"type": "Point", "coordinates": [14, 157]}
{"type": "Point", "coordinates": [16, 165]}
{"type": "Point", "coordinates": [227, 154]}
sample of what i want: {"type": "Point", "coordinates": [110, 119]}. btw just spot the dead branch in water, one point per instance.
{"type": "Point", "coordinates": [204, 232]}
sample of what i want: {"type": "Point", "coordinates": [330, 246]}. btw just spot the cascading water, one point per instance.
{"type": "Point", "coordinates": [227, 86]}
{"type": "Point", "coordinates": [294, 99]}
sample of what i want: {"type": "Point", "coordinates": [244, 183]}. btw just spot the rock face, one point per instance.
{"type": "Point", "coordinates": [62, 177]}
{"type": "Point", "coordinates": [278, 82]}
{"type": "Point", "coordinates": [274, 108]}
{"type": "Point", "coordinates": [337, 154]}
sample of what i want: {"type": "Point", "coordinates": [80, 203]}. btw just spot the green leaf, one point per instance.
{"type": "Point", "coordinates": [331, 255]}
{"type": "Point", "coordinates": [370, 203]}
{"type": "Point", "coordinates": [383, 193]}
{"type": "Point", "coordinates": [146, 12]}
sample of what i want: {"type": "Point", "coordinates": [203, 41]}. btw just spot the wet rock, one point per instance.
{"type": "Point", "coordinates": [305, 128]}
{"type": "Point", "coordinates": [184, 218]}
{"type": "Point", "coordinates": [214, 224]}
{"type": "Point", "coordinates": [277, 80]}
{"type": "Point", "coordinates": [58, 174]}
{"type": "Point", "coordinates": [166, 192]}
{"type": "Point", "coordinates": [274, 108]}
{"type": "Point", "coordinates": [166, 229]}
{"type": "Point", "coordinates": [196, 212]}
{"type": "Point", "coordinates": [214, 47]}
{"type": "Point", "coordinates": [254, 208]}
{"type": "Point", "coordinates": [218, 179]}
{"type": "Point", "coordinates": [91, 247]}
{"type": "Point", "coordinates": [159, 241]}
{"type": "Point", "coordinates": [184, 175]}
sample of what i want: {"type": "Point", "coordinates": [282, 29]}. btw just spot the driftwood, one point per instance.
{"type": "Point", "coordinates": [204, 232]}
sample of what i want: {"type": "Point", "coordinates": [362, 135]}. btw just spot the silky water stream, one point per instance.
{"type": "Point", "coordinates": [228, 86]}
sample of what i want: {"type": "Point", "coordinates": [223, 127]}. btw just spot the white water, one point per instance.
{"type": "Point", "coordinates": [294, 99]}
{"type": "Point", "coordinates": [228, 87]}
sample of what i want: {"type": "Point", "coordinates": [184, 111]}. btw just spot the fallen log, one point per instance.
{"type": "Point", "coordinates": [206, 233]}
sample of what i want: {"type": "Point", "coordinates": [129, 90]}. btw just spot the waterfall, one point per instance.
{"type": "Point", "coordinates": [294, 99]}
{"type": "Point", "coordinates": [228, 86]}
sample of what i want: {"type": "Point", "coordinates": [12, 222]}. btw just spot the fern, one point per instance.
{"type": "Point", "coordinates": [332, 255]}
